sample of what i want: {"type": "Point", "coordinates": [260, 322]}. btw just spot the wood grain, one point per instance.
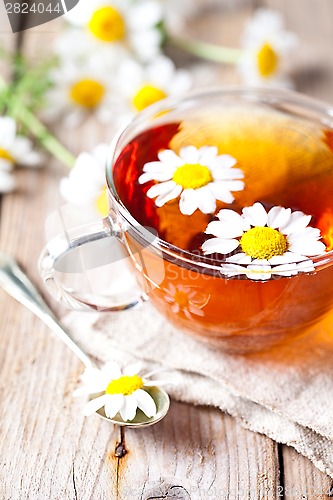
{"type": "Point", "coordinates": [48, 450]}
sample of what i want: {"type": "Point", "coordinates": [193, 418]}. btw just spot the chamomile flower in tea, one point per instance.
{"type": "Point", "coordinates": [275, 242]}
{"type": "Point", "coordinates": [200, 176]}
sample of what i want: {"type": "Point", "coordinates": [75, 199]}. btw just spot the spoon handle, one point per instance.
{"type": "Point", "coordinates": [18, 285]}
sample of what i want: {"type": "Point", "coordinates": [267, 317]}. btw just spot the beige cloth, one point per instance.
{"type": "Point", "coordinates": [286, 394]}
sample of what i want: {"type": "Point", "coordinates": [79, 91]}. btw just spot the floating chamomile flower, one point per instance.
{"type": "Point", "coordinates": [85, 186]}
{"type": "Point", "coordinates": [278, 242]}
{"type": "Point", "coordinates": [118, 391]}
{"type": "Point", "coordinates": [200, 176]}
{"type": "Point", "coordinates": [186, 299]}
{"type": "Point", "coordinates": [267, 48]}
{"type": "Point", "coordinates": [145, 85]}
{"type": "Point", "coordinates": [81, 90]}
{"type": "Point", "coordinates": [123, 22]}
{"type": "Point", "coordinates": [14, 150]}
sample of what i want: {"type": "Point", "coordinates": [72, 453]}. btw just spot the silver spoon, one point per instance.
{"type": "Point", "coordinates": [18, 285]}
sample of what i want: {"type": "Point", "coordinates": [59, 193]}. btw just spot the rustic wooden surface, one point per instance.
{"type": "Point", "coordinates": [48, 449]}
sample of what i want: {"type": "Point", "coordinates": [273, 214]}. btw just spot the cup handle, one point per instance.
{"type": "Point", "coordinates": [74, 251]}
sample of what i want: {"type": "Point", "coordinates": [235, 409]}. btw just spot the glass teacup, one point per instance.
{"type": "Point", "coordinates": [221, 207]}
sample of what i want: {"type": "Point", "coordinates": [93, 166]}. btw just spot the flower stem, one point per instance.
{"type": "Point", "coordinates": [22, 114]}
{"type": "Point", "coordinates": [208, 51]}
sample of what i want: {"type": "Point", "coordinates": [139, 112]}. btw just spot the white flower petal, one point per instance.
{"type": "Point", "coordinates": [297, 222]}
{"type": "Point", "coordinates": [286, 258]}
{"type": "Point", "coordinates": [133, 368]}
{"type": "Point", "coordinates": [114, 405]}
{"type": "Point", "coordinates": [7, 182]}
{"type": "Point", "coordinates": [239, 258]}
{"type": "Point", "coordinates": [206, 200]}
{"type": "Point", "coordinates": [111, 370]}
{"type": "Point", "coordinates": [308, 249]}
{"type": "Point", "coordinates": [234, 185]}
{"type": "Point", "coordinates": [232, 217]}
{"type": "Point", "coordinates": [309, 233]}
{"type": "Point", "coordinates": [232, 269]}
{"type": "Point", "coordinates": [95, 404]}
{"type": "Point", "coordinates": [220, 173]}
{"type": "Point", "coordinates": [221, 192]}
{"type": "Point", "coordinates": [144, 15]}
{"type": "Point", "coordinates": [255, 215]}
{"type": "Point", "coordinates": [285, 269]}
{"type": "Point", "coordinates": [171, 195]}
{"type": "Point", "coordinates": [161, 188]}
{"type": "Point", "coordinates": [189, 154]}
{"type": "Point", "coordinates": [306, 266]}
{"type": "Point", "coordinates": [188, 202]}
{"type": "Point", "coordinates": [224, 162]}
{"type": "Point", "coordinates": [170, 158]}
{"type": "Point", "coordinates": [278, 216]}
{"type": "Point", "coordinates": [223, 229]}
{"type": "Point", "coordinates": [145, 402]}
{"type": "Point", "coordinates": [128, 411]}
{"type": "Point", "coordinates": [207, 154]}
{"type": "Point", "coordinates": [219, 245]}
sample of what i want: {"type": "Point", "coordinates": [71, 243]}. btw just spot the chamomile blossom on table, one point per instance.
{"type": "Point", "coordinates": [85, 186]}
{"type": "Point", "coordinates": [200, 176]}
{"type": "Point", "coordinates": [133, 24]}
{"type": "Point", "coordinates": [82, 90]}
{"type": "Point", "coordinates": [267, 50]}
{"type": "Point", "coordinates": [14, 150]}
{"type": "Point", "coordinates": [118, 391]}
{"type": "Point", "coordinates": [143, 85]}
{"type": "Point", "coordinates": [276, 242]}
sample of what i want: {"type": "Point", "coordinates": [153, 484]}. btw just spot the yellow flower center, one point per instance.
{"type": "Point", "coordinates": [102, 203]}
{"type": "Point", "coordinates": [263, 243]}
{"type": "Point", "coordinates": [87, 93]}
{"type": "Point", "coordinates": [192, 176]}
{"type": "Point", "coordinates": [5, 155]}
{"type": "Point", "coordinates": [267, 60]}
{"type": "Point", "coordinates": [107, 24]}
{"type": "Point", "coordinates": [147, 95]}
{"type": "Point", "coordinates": [124, 385]}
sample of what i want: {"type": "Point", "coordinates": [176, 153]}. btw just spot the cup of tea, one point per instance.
{"type": "Point", "coordinates": [221, 206]}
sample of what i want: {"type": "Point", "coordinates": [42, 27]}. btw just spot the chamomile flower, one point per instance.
{"type": "Point", "coordinates": [81, 90]}
{"type": "Point", "coordinates": [200, 176]}
{"type": "Point", "coordinates": [14, 150]}
{"type": "Point", "coordinates": [122, 22]}
{"type": "Point", "coordinates": [275, 242]}
{"type": "Point", "coordinates": [85, 185]}
{"type": "Point", "coordinates": [117, 391]}
{"type": "Point", "coordinates": [267, 49]}
{"type": "Point", "coordinates": [144, 85]}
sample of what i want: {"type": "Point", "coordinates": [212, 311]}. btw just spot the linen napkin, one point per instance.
{"type": "Point", "coordinates": [286, 394]}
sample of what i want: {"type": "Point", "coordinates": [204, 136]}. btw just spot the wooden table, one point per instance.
{"type": "Point", "coordinates": [48, 449]}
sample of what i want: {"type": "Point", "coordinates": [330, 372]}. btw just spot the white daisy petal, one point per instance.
{"type": "Point", "coordinates": [171, 195]}
{"type": "Point", "coordinates": [306, 266]}
{"type": "Point", "coordinates": [255, 215]}
{"type": "Point", "coordinates": [219, 245]}
{"type": "Point", "coordinates": [188, 202]}
{"type": "Point", "coordinates": [133, 369]}
{"type": "Point", "coordinates": [286, 258]}
{"type": "Point", "coordinates": [309, 249]}
{"type": "Point", "coordinates": [297, 222]}
{"type": "Point", "coordinates": [234, 185]}
{"type": "Point", "coordinates": [189, 154]}
{"type": "Point", "coordinates": [232, 269]}
{"type": "Point", "coordinates": [95, 404]}
{"type": "Point", "coordinates": [207, 154]}
{"type": "Point", "coordinates": [111, 370]}
{"type": "Point", "coordinates": [128, 410]}
{"type": "Point", "coordinates": [285, 269]}
{"type": "Point", "coordinates": [158, 167]}
{"type": "Point", "coordinates": [221, 173]}
{"type": "Point", "coordinates": [226, 215]}
{"type": "Point", "coordinates": [206, 200]}
{"type": "Point", "coordinates": [7, 182]}
{"type": "Point", "coordinates": [162, 188]}
{"type": "Point", "coordinates": [278, 216]}
{"type": "Point", "coordinates": [221, 193]}
{"type": "Point", "coordinates": [114, 405]}
{"type": "Point", "coordinates": [239, 258]}
{"type": "Point", "coordinates": [225, 162]}
{"type": "Point", "coordinates": [223, 229]}
{"type": "Point", "coordinates": [145, 402]}
{"type": "Point", "coordinates": [311, 233]}
{"type": "Point", "coordinates": [169, 157]}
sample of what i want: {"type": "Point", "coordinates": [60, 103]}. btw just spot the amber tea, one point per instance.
{"type": "Point", "coordinates": [245, 194]}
